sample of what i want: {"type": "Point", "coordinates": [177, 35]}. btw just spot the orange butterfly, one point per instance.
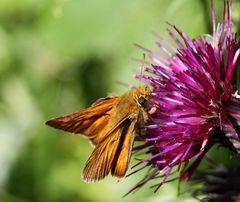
{"type": "Point", "coordinates": [110, 124]}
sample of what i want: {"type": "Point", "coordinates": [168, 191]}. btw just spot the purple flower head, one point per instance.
{"type": "Point", "coordinates": [221, 184]}
{"type": "Point", "coordinates": [196, 100]}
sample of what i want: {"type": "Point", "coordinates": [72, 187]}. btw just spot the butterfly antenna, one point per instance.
{"type": "Point", "coordinates": [143, 60]}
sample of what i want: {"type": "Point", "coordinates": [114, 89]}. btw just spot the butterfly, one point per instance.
{"type": "Point", "coordinates": [110, 124]}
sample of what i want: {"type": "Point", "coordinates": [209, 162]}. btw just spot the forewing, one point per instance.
{"type": "Point", "coordinates": [100, 162]}
{"type": "Point", "coordinates": [89, 122]}
{"type": "Point", "coordinates": [111, 154]}
{"type": "Point", "coordinates": [123, 154]}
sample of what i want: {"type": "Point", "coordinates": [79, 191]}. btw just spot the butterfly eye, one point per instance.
{"type": "Point", "coordinates": [142, 100]}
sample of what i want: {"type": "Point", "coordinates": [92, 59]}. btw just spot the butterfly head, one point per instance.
{"type": "Point", "coordinates": [143, 95]}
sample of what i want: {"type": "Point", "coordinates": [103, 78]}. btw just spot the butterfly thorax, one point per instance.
{"type": "Point", "coordinates": [131, 105]}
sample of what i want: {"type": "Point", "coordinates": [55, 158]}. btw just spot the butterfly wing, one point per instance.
{"type": "Point", "coordinates": [99, 163]}
{"type": "Point", "coordinates": [111, 154]}
{"type": "Point", "coordinates": [123, 154]}
{"type": "Point", "coordinates": [89, 122]}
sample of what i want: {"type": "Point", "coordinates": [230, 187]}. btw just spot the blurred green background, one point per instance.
{"type": "Point", "coordinates": [57, 57]}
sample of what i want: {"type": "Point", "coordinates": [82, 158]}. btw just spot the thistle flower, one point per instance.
{"type": "Point", "coordinates": [220, 185]}
{"type": "Point", "coordinates": [197, 103]}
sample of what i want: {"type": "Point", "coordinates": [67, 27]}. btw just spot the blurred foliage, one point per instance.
{"type": "Point", "coordinates": [58, 56]}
